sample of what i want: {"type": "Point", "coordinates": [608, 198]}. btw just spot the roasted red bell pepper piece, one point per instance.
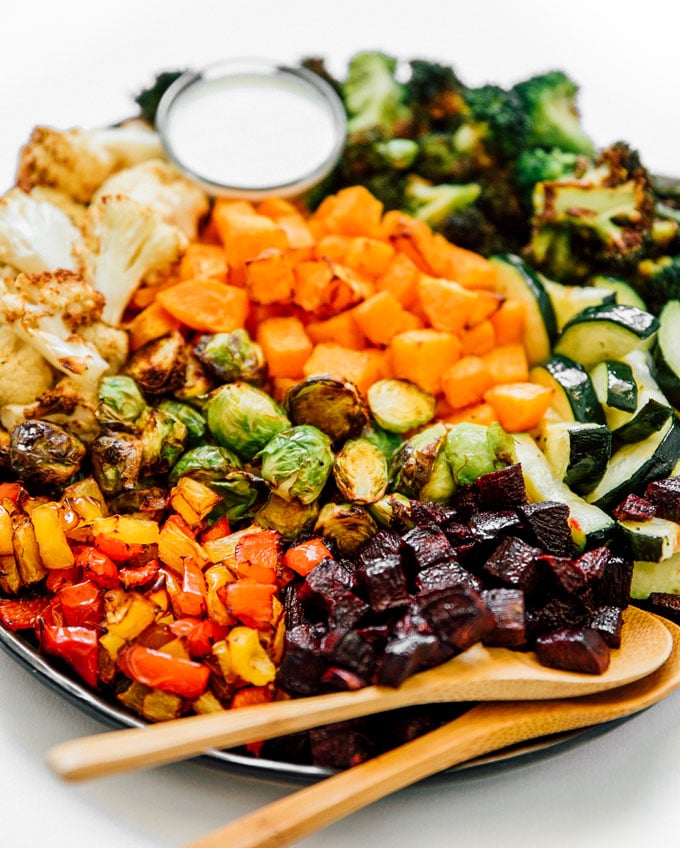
{"type": "Point", "coordinates": [219, 530]}
{"type": "Point", "coordinates": [176, 675]}
{"type": "Point", "coordinates": [21, 613]}
{"type": "Point", "coordinates": [57, 578]}
{"type": "Point", "coordinates": [132, 577]}
{"type": "Point", "coordinates": [81, 604]}
{"type": "Point", "coordinates": [258, 556]}
{"type": "Point", "coordinates": [98, 567]}
{"type": "Point", "coordinates": [188, 593]}
{"type": "Point", "coordinates": [307, 555]}
{"type": "Point", "coordinates": [199, 633]}
{"type": "Point", "coordinates": [78, 646]}
{"type": "Point", "coordinates": [116, 549]}
{"type": "Point", "coordinates": [249, 602]}
{"type": "Point", "coordinates": [11, 491]}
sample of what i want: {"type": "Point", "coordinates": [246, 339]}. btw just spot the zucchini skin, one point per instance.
{"type": "Point", "coordinates": [666, 353]}
{"type": "Point", "coordinates": [576, 398]}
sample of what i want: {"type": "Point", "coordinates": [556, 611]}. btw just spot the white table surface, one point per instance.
{"type": "Point", "coordinates": [75, 62]}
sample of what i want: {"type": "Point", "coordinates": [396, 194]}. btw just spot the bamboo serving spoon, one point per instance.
{"type": "Point", "coordinates": [478, 674]}
{"type": "Point", "coordinates": [485, 728]}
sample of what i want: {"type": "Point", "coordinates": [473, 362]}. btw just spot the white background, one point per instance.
{"type": "Point", "coordinates": [76, 62]}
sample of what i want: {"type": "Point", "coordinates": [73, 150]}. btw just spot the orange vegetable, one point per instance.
{"type": "Point", "coordinates": [302, 558]}
{"type": "Point", "coordinates": [341, 329]}
{"type": "Point", "coordinates": [206, 305]}
{"type": "Point", "coordinates": [325, 288]}
{"type": "Point", "coordinates": [151, 323]}
{"type": "Point", "coordinates": [249, 602]}
{"type": "Point", "coordinates": [519, 406]}
{"type": "Point", "coordinates": [285, 344]}
{"type": "Point", "coordinates": [447, 305]}
{"type": "Point", "coordinates": [245, 234]}
{"type": "Point", "coordinates": [508, 363]}
{"type": "Point", "coordinates": [479, 339]}
{"type": "Point", "coordinates": [269, 278]}
{"type": "Point", "coordinates": [477, 413]}
{"type": "Point", "coordinates": [422, 356]}
{"type": "Point", "coordinates": [362, 367]}
{"type": "Point", "coordinates": [465, 382]}
{"type": "Point", "coordinates": [257, 555]}
{"type": "Point", "coordinates": [400, 278]}
{"type": "Point", "coordinates": [380, 317]}
{"type": "Point", "coordinates": [353, 211]}
{"type": "Point", "coordinates": [203, 260]}
{"type": "Point", "coordinates": [508, 321]}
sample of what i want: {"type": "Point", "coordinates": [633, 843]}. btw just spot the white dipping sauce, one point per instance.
{"type": "Point", "coordinates": [252, 131]}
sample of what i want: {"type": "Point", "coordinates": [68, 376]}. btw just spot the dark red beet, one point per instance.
{"type": "Point", "coordinates": [582, 650]}
{"type": "Point", "coordinates": [515, 564]}
{"type": "Point", "coordinates": [548, 526]}
{"type": "Point", "coordinates": [383, 545]}
{"type": "Point", "coordinates": [405, 654]}
{"type": "Point", "coordinates": [341, 745]}
{"type": "Point", "coordinates": [492, 526]}
{"type": "Point", "coordinates": [445, 574]}
{"type": "Point", "coordinates": [665, 604]}
{"type": "Point", "coordinates": [502, 489]}
{"type": "Point", "coordinates": [342, 679]}
{"type": "Point", "coordinates": [556, 614]}
{"type": "Point", "coordinates": [634, 508]}
{"type": "Point", "coordinates": [384, 583]}
{"type": "Point", "coordinates": [303, 665]}
{"type": "Point", "coordinates": [428, 545]}
{"type": "Point", "coordinates": [348, 649]}
{"type": "Point", "coordinates": [613, 586]}
{"type": "Point", "coordinates": [665, 495]}
{"type": "Point", "coordinates": [457, 615]}
{"type": "Point", "coordinates": [608, 621]}
{"type": "Point", "coordinates": [509, 615]}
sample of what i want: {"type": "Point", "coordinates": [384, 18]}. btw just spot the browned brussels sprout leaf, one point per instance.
{"type": "Point", "coordinates": [44, 453]}
{"type": "Point", "coordinates": [399, 406]}
{"type": "Point", "coordinates": [232, 356]}
{"type": "Point", "coordinates": [347, 525]}
{"type": "Point", "coordinates": [336, 407]}
{"type": "Point", "coordinates": [116, 461]}
{"type": "Point", "coordinates": [291, 518]}
{"type": "Point", "coordinates": [159, 366]}
{"type": "Point", "coordinates": [420, 469]}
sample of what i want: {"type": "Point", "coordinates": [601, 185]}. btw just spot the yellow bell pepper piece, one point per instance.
{"type": "Point", "coordinates": [248, 658]}
{"type": "Point", "coordinates": [55, 551]}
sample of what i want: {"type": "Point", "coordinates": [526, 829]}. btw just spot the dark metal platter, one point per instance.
{"type": "Point", "coordinates": [108, 712]}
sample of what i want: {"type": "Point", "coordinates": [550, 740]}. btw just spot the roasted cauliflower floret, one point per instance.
{"type": "Point", "coordinates": [46, 311]}
{"type": "Point", "coordinates": [126, 243]}
{"type": "Point", "coordinates": [77, 161]}
{"type": "Point", "coordinates": [160, 187]}
{"type": "Point", "coordinates": [24, 373]}
{"type": "Point", "coordinates": [111, 342]}
{"type": "Point", "coordinates": [35, 235]}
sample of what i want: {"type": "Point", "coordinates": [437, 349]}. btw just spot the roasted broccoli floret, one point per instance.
{"type": "Point", "coordinates": [658, 281]}
{"type": "Point", "coordinates": [602, 220]}
{"type": "Point", "coordinates": [473, 229]}
{"type": "Point", "coordinates": [148, 99]}
{"type": "Point", "coordinates": [499, 117]}
{"type": "Point", "coordinates": [537, 165]}
{"type": "Point", "coordinates": [549, 102]}
{"type": "Point", "coordinates": [451, 157]}
{"type": "Point", "coordinates": [374, 99]}
{"type": "Point", "coordinates": [434, 203]}
{"type": "Point", "coordinates": [435, 94]}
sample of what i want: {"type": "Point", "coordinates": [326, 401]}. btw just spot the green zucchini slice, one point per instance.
{"type": "Point", "coordinates": [574, 397]}
{"type": "Point", "coordinates": [518, 281]}
{"type": "Point", "coordinates": [667, 352]}
{"type": "Point", "coordinates": [652, 540]}
{"type": "Point", "coordinates": [648, 577]}
{"type": "Point", "coordinates": [615, 386]}
{"type": "Point", "coordinates": [590, 525]}
{"type": "Point", "coordinates": [609, 331]}
{"type": "Point", "coordinates": [578, 453]}
{"type": "Point", "coordinates": [569, 301]}
{"type": "Point", "coordinates": [623, 291]}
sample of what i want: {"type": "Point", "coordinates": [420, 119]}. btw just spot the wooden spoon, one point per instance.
{"type": "Point", "coordinates": [478, 674]}
{"type": "Point", "coordinates": [486, 727]}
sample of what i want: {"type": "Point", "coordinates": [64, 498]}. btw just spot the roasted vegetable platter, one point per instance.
{"type": "Point", "coordinates": [254, 450]}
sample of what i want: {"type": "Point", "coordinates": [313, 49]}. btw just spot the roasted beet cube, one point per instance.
{"type": "Point", "coordinates": [445, 574]}
{"type": "Point", "coordinates": [292, 605]}
{"type": "Point", "coordinates": [329, 579]}
{"type": "Point", "coordinates": [613, 586]}
{"type": "Point", "coordinates": [384, 544]}
{"type": "Point", "coordinates": [608, 621]}
{"type": "Point", "coordinates": [501, 489]}
{"type": "Point", "coordinates": [556, 614]}
{"type": "Point", "coordinates": [465, 501]}
{"type": "Point", "coordinates": [303, 665]}
{"type": "Point", "coordinates": [582, 649]}
{"type": "Point", "coordinates": [341, 745]}
{"type": "Point", "coordinates": [509, 615]}
{"type": "Point", "coordinates": [342, 679]}
{"type": "Point", "coordinates": [581, 576]}
{"type": "Point", "coordinates": [664, 604]}
{"type": "Point", "coordinates": [665, 495]}
{"type": "Point", "coordinates": [428, 545]}
{"type": "Point", "coordinates": [494, 525]}
{"type": "Point", "coordinates": [460, 535]}
{"type": "Point", "coordinates": [345, 609]}
{"type": "Point", "coordinates": [348, 649]}
{"type": "Point", "coordinates": [548, 525]}
{"type": "Point", "coordinates": [515, 564]}
{"type": "Point", "coordinates": [634, 508]}
{"type": "Point", "coordinates": [405, 654]}
{"type": "Point", "coordinates": [384, 583]}
{"type": "Point", "coordinates": [431, 513]}
{"type": "Point", "coordinates": [457, 615]}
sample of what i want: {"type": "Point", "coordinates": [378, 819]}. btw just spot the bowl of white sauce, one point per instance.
{"type": "Point", "coordinates": [252, 128]}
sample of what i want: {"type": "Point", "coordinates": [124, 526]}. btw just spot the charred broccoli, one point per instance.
{"type": "Point", "coordinates": [498, 119]}
{"type": "Point", "coordinates": [658, 281]}
{"type": "Point", "coordinates": [435, 203]}
{"type": "Point", "coordinates": [538, 165]}
{"type": "Point", "coordinates": [374, 99]}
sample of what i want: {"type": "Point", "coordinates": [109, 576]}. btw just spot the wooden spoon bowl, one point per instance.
{"type": "Point", "coordinates": [478, 674]}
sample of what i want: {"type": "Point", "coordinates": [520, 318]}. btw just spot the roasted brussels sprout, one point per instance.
{"type": "Point", "coordinates": [44, 453]}
{"type": "Point", "coordinates": [347, 525]}
{"type": "Point", "coordinates": [151, 501]}
{"type": "Point", "coordinates": [473, 450]}
{"type": "Point", "coordinates": [335, 407]}
{"type": "Point", "coordinates": [399, 406]}
{"type": "Point", "coordinates": [163, 438]}
{"type": "Point", "coordinates": [388, 443]}
{"type": "Point", "coordinates": [205, 463]}
{"type": "Point", "coordinates": [291, 518]}
{"type": "Point", "coordinates": [360, 471]}
{"type": "Point", "coordinates": [119, 402]}
{"type": "Point", "coordinates": [243, 418]}
{"type": "Point", "coordinates": [297, 462]}
{"type": "Point", "coordinates": [190, 417]}
{"type": "Point", "coordinates": [420, 469]}
{"type": "Point", "coordinates": [232, 356]}
{"type": "Point", "coordinates": [243, 493]}
{"type": "Point", "coordinates": [197, 383]}
{"type": "Point", "coordinates": [116, 458]}
{"type": "Point", "coordinates": [159, 366]}
{"type": "Point", "coordinates": [392, 512]}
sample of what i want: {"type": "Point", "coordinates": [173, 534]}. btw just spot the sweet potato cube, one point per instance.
{"type": "Point", "coordinates": [285, 344]}
{"type": "Point", "coordinates": [421, 356]}
{"type": "Point", "coordinates": [400, 278]}
{"type": "Point", "coordinates": [269, 278]}
{"type": "Point", "coordinates": [380, 317]}
{"type": "Point", "coordinates": [446, 304]}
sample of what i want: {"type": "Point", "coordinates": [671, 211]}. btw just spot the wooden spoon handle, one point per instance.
{"type": "Point", "coordinates": [487, 727]}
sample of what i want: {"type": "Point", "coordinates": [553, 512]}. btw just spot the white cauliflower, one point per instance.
{"type": "Point", "coordinates": [35, 235]}
{"type": "Point", "coordinates": [159, 186]}
{"type": "Point", "coordinates": [46, 311]}
{"type": "Point", "coordinates": [111, 342]}
{"type": "Point", "coordinates": [24, 373]}
{"type": "Point", "coordinates": [77, 161]}
{"type": "Point", "coordinates": [126, 243]}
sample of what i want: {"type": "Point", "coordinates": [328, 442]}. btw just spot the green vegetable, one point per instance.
{"type": "Point", "coordinates": [374, 100]}
{"type": "Point", "coordinates": [348, 526]}
{"type": "Point", "coordinates": [473, 450]}
{"type": "Point", "coordinates": [232, 356]}
{"type": "Point", "coordinates": [205, 463]}
{"type": "Point", "coordinates": [291, 518]}
{"type": "Point", "coordinates": [243, 494]}
{"type": "Point", "coordinates": [297, 462]}
{"type": "Point", "coordinates": [336, 407]}
{"type": "Point", "coordinates": [44, 453]}
{"type": "Point", "coordinates": [190, 417]}
{"type": "Point", "coordinates": [434, 204]}
{"type": "Point", "coordinates": [116, 458]}
{"type": "Point", "coordinates": [420, 467]}
{"type": "Point", "coordinates": [399, 406]}
{"type": "Point", "coordinates": [119, 401]}
{"type": "Point", "coordinates": [163, 437]}
{"type": "Point", "coordinates": [360, 471]}
{"type": "Point", "coordinates": [148, 99]}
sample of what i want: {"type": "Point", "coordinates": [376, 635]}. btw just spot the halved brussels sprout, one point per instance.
{"type": "Point", "coordinates": [44, 453]}
{"type": "Point", "coordinates": [163, 438]}
{"type": "Point", "coordinates": [119, 401]}
{"type": "Point", "coordinates": [399, 405]}
{"type": "Point", "coordinates": [297, 462]}
{"type": "Point", "coordinates": [291, 518]}
{"type": "Point", "coordinates": [474, 449]}
{"type": "Point", "coordinates": [360, 471]}
{"type": "Point", "coordinates": [205, 463]}
{"type": "Point", "coordinates": [116, 458]}
{"type": "Point", "coordinates": [242, 492]}
{"type": "Point", "coordinates": [190, 417]}
{"type": "Point", "coordinates": [336, 407]}
{"type": "Point", "coordinates": [392, 512]}
{"type": "Point", "coordinates": [232, 356]}
{"type": "Point", "coordinates": [159, 366]}
{"type": "Point", "coordinates": [197, 382]}
{"type": "Point", "coordinates": [347, 525]}
{"type": "Point", "coordinates": [388, 443]}
{"type": "Point", "coordinates": [150, 500]}
{"type": "Point", "coordinates": [420, 469]}
{"type": "Point", "coordinates": [243, 418]}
